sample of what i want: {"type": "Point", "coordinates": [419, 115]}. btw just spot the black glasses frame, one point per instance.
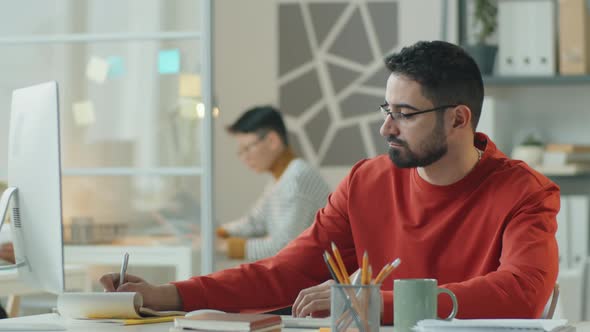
{"type": "Point", "coordinates": [385, 109]}
{"type": "Point", "coordinates": [246, 148]}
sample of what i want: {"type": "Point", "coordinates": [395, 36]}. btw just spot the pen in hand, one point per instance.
{"type": "Point", "coordinates": [123, 269]}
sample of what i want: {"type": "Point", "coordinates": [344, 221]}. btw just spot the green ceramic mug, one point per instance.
{"type": "Point", "coordinates": [416, 299]}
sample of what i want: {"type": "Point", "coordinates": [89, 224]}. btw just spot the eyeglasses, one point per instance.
{"type": "Point", "coordinates": [400, 116]}
{"type": "Point", "coordinates": [246, 148]}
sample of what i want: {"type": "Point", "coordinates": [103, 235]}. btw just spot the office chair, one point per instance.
{"type": "Point", "coordinates": [549, 309]}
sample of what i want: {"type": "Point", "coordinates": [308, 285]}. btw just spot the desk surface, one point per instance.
{"type": "Point", "coordinates": [79, 326]}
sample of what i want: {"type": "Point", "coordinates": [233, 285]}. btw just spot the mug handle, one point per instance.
{"type": "Point", "coordinates": [453, 298]}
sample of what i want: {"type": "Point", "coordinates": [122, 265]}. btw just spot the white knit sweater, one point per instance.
{"type": "Point", "coordinates": [286, 208]}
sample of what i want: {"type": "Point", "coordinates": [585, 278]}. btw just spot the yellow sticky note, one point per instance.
{"type": "Point", "coordinates": [149, 320]}
{"type": "Point", "coordinates": [97, 69]}
{"type": "Point", "coordinates": [189, 109]}
{"type": "Point", "coordinates": [189, 85]}
{"type": "Point", "coordinates": [83, 113]}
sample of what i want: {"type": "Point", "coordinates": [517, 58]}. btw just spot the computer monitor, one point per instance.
{"type": "Point", "coordinates": [34, 183]}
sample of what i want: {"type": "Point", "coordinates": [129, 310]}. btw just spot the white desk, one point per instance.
{"type": "Point", "coordinates": [81, 326]}
{"type": "Point", "coordinates": [95, 327]}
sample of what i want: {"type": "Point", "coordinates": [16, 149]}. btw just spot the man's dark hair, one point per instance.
{"type": "Point", "coordinates": [447, 74]}
{"type": "Point", "coordinates": [260, 120]}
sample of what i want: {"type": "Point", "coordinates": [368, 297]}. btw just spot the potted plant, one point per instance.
{"type": "Point", "coordinates": [485, 14]}
{"type": "Point", "coordinates": [530, 151]}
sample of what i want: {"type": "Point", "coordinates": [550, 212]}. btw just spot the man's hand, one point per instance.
{"type": "Point", "coordinates": [313, 299]}
{"type": "Point", "coordinates": [7, 252]}
{"type": "Point", "coordinates": [157, 297]}
{"type": "Point", "coordinates": [236, 247]}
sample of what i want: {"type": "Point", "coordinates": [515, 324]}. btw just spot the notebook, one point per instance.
{"type": "Point", "coordinates": [123, 308]}
{"type": "Point", "coordinates": [492, 325]}
{"type": "Point", "coordinates": [213, 321]}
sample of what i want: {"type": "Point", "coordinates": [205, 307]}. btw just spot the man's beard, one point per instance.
{"type": "Point", "coordinates": [433, 148]}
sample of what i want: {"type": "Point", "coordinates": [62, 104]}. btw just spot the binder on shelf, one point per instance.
{"type": "Point", "coordinates": [507, 19]}
{"type": "Point", "coordinates": [574, 37]}
{"type": "Point", "coordinates": [562, 234]}
{"type": "Point", "coordinates": [527, 38]}
{"type": "Point", "coordinates": [578, 209]}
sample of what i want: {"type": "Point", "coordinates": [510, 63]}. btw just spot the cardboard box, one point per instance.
{"type": "Point", "coordinates": [574, 37]}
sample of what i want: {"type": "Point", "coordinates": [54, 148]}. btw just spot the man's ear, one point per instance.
{"type": "Point", "coordinates": [462, 117]}
{"type": "Point", "coordinates": [274, 139]}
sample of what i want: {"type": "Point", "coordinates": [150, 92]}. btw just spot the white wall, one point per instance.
{"type": "Point", "coordinates": [244, 73]}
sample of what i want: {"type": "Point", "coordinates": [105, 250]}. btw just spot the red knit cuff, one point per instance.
{"type": "Point", "coordinates": [191, 293]}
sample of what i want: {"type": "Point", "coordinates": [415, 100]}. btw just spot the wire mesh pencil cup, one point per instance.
{"type": "Point", "coordinates": [355, 308]}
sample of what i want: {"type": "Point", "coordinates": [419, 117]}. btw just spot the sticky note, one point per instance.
{"type": "Point", "coordinates": [116, 66]}
{"type": "Point", "coordinates": [189, 85]}
{"type": "Point", "coordinates": [83, 113]}
{"type": "Point", "coordinates": [169, 61]}
{"type": "Point", "coordinates": [189, 109]}
{"type": "Point", "coordinates": [97, 69]}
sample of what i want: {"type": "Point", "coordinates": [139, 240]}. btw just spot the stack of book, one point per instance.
{"type": "Point", "coordinates": [566, 159]}
{"type": "Point", "coordinates": [227, 322]}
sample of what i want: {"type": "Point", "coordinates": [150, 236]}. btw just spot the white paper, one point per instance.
{"type": "Point", "coordinates": [97, 69]}
{"type": "Point", "coordinates": [99, 305]}
{"type": "Point", "coordinates": [84, 113]}
{"type": "Point", "coordinates": [489, 324]}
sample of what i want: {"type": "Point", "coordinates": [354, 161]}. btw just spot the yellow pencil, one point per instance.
{"type": "Point", "coordinates": [387, 269]}
{"type": "Point", "coordinates": [338, 258]}
{"type": "Point", "coordinates": [365, 269]}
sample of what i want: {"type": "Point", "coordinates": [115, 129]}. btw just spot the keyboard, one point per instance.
{"type": "Point", "coordinates": [305, 322]}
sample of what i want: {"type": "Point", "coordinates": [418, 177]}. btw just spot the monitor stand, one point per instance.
{"type": "Point", "coordinates": [4, 204]}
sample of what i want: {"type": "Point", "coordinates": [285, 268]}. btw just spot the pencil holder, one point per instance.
{"type": "Point", "coordinates": [355, 308]}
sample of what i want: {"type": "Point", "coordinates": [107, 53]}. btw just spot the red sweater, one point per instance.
{"type": "Point", "coordinates": [489, 237]}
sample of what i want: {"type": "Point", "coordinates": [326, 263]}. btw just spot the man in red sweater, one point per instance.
{"type": "Point", "coordinates": [445, 200]}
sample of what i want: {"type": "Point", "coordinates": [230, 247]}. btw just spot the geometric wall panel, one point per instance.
{"type": "Point", "coordinates": [295, 144]}
{"type": "Point", "coordinates": [387, 33]}
{"type": "Point", "coordinates": [352, 42]}
{"type": "Point", "coordinates": [360, 104]}
{"type": "Point", "coordinates": [346, 149]}
{"type": "Point", "coordinates": [299, 94]}
{"type": "Point", "coordinates": [323, 17]}
{"type": "Point", "coordinates": [316, 128]}
{"type": "Point", "coordinates": [379, 79]}
{"type": "Point", "coordinates": [294, 48]}
{"type": "Point", "coordinates": [341, 77]}
{"type": "Point", "coordinates": [343, 48]}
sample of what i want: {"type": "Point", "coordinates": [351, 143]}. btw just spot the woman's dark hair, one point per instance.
{"type": "Point", "coordinates": [260, 120]}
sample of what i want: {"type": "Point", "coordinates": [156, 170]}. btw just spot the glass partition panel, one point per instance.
{"type": "Point", "coordinates": [131, 210]}
{"type": "Point", "coordinates": [55, 17]}
{"type": "Point", "coordinates": [123, 104]}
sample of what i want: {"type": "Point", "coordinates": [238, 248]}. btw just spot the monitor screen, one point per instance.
{"type": "Point", "coordinates": [34, 170]}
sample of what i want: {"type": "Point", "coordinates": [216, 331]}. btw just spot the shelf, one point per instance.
{"type": "Point", "coordinates": [535, 80]}
{"type": "Point", "coordinates": [566, 170]}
